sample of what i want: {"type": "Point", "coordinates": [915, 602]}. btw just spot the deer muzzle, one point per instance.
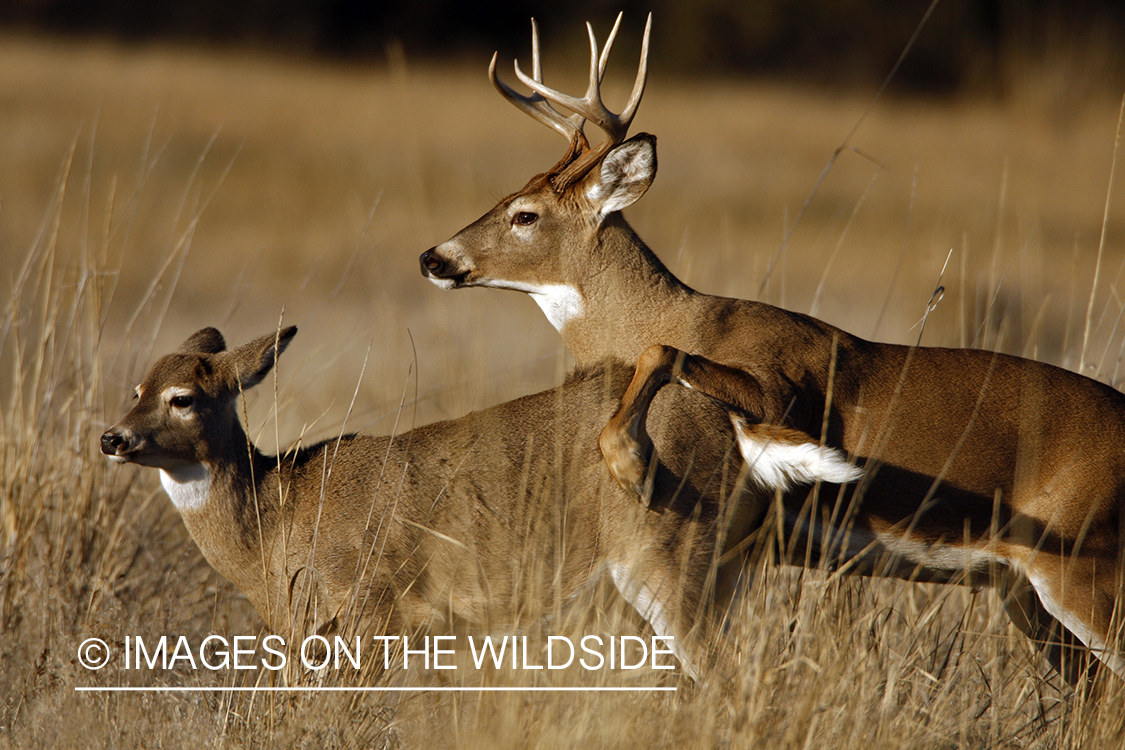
{"type": "Point", "coordinates": [440, 270]}
{"type": "Point", "coordinates": [117, 444]}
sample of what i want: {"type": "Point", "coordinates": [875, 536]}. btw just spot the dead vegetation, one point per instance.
{"type": "Point", "coordinates": [146, 193]}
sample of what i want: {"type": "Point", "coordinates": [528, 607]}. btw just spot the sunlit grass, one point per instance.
{"type": "Point", "coordinates": [146, 193]}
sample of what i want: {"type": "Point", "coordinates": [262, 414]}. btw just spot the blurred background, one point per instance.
{"type": "Point", "coordinates": [228, 164]}
{"type": "Point", "coordinates": [166, 166]}
{"type": "Point", "coordinates": [967, 43]}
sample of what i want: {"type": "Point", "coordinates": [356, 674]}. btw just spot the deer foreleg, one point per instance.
{"type": "Point", "coordinates": [625, 442]}
{"type": "Point", "coordinates": [777, 457]}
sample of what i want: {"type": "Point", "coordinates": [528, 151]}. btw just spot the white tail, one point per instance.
{"type": "Point", "coordinates": [973, 460]}
{"type": "Point", "coordinates": [466, 520]}
{"type": "Point", "coordinates": [782, 459]}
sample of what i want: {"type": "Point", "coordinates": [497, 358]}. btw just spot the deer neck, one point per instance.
{"type": "Point", "coordinates": [226, 508]}
{"type": "Point", "coordinates": [629, 300]}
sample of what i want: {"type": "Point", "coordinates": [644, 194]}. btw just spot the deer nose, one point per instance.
{"type": "Point", "coordinates": [431, 263]}
{"type": "Point", "coordinates": [111, 441]}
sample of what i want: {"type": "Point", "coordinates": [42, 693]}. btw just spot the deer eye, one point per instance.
{"type": "Point", "coordinates": [525, 218]}
{"type": "Point", "coordinates": [182, 400]}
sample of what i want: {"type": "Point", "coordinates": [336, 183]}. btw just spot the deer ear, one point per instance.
{"type": "Point", "coordinates": [205, 341]}
{"type": "Point", "coordinates": [252, 362]}
{"type": "Point", "coordinates": [624, 175]}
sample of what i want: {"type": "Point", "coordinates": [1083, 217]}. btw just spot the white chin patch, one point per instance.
{"type": "Point", "coordinates": [189, 488]}
{"type": "Point", "coordinates": [776, 463]}
{"type": "Point", "coordinates": [443, 283]}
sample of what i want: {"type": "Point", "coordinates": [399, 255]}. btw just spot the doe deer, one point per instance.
{"type": "Point", "coordinates": [977, 466]}
{"type": "Point", "coordinates": [466, 521]}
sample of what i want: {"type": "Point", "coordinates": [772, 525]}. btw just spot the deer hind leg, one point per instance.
{"type": "Point", "coordinates": [670, 573]}
{"type": "Point", "coordinates": [667, 579]}
{"type": "Point", "coordinates": [1078, 599]}
{"type": "Point", "coordinates": [1062, 649]}
{"type": "Point", "coordinates": [666, 605]}
{"type": "Point", "coordinates": [776, 457]}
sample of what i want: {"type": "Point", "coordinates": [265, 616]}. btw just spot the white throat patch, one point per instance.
{"type": "Point", "coordinates": [559, 302]}
{"type": "Point", "coordinates": [189, 488]}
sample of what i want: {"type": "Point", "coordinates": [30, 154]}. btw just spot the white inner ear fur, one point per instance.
{"type": "Point", "coordinates": [776, 463]}
{"type": "Point", "coordinates": [625, 175]}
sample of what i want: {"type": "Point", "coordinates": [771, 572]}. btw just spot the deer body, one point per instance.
{"type": "Point", "coordinates": [472, 521]}
{"type": "Point", "coordinates": [973, 461]}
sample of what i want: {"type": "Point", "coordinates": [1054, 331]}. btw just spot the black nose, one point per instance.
{"type": "Point", "coordinates": [111, 441]}
{"type": "Point", "coordinates": [431, 263]}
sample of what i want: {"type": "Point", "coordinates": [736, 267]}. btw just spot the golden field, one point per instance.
{"type": "Point", "coordinates": [148, 192]}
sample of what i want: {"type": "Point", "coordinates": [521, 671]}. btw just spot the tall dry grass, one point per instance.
{"type": "Point", "coordinates": [149, 192]}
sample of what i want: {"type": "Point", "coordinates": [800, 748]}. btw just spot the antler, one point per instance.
{"type": "Point", "coordinates": [580, 158]}
{"type": "Point", "coordinates": [535, 105]}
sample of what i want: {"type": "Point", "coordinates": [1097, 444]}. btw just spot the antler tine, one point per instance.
{"type": "Point", "coordinates": [594, 88]}
{"type": "Point", "coordinates": [642, 77]}
{"type": "Point", "coordinates": [580, 158]}
{"type": "Point", "coordinates": [608, 43]}
{"type": "Point", "coordinates": [536, 106]}
{"type": "Point", "coordinates": [591, 106]}
{"type": "Point", "coordinates": [536, 64]}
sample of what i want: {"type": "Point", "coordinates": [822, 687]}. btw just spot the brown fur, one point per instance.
{"type": "Point", "coordinates": [973, 460]}
{"type": "Point", "coordinates": [468, 521]}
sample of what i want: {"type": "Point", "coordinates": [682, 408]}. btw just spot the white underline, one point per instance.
{"type": "Point", "coordinates": [445, 689]}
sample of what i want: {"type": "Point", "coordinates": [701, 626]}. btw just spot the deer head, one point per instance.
{"type": "Point", "coordinates": [562, 218]}
{"type": "Point", "coordinates": [185, 414]}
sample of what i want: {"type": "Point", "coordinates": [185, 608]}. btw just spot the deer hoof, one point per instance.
{"type": "Point", "coordinates": [627, 463]}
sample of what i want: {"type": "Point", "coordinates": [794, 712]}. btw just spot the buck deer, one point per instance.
{"type": "Point", "coordinates": [504, 510]}
{"type": "Point", "coordinates": [974, 461]}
